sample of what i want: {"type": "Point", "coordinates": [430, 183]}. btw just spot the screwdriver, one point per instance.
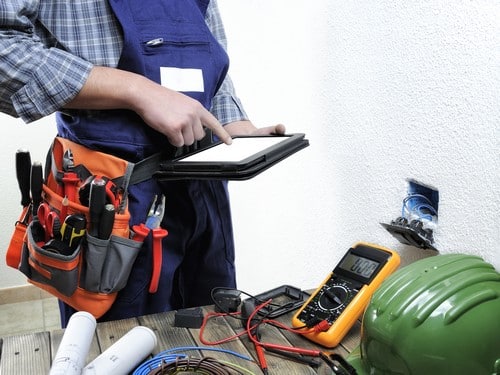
{"type": "Point", "coordinates": [36, 185]}
{"type": "Point", "coordinates": [97, 200]}
{"type": "Point", "coordinates": [23, 172]}
{"type": "Point", "coordinates": [107, 220]}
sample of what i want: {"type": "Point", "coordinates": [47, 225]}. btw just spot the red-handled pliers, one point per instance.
{"type": "Point", "coordinates": [158, 235]}
{"type": "Point", "coordinates": [141, 231]}
{"type": "Point", "coordinates": [153, 221]}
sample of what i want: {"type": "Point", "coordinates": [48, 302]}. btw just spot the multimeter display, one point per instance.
{"type": "Point", "coordinates": [363, 267]}
{"type": "Point", "coordinates": [344, 294]}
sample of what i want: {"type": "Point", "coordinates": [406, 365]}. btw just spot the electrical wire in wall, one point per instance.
{"type": "Point", "coordinates": [418, 219]}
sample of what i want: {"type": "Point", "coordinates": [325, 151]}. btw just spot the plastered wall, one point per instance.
{"type": "Point", "coordinates": [385, 91]}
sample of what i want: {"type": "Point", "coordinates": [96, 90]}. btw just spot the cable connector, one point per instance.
{"type": "Point", "coordinates": [322, 326]}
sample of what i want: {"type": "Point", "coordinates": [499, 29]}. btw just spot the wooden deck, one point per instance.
{"type": "Point", "coordinates": [33, 353]}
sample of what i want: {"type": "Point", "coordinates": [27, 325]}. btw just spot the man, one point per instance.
{"type": "Point", "coordinates": [133, 78]}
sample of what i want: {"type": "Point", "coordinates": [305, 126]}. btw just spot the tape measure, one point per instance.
{"type": "Point", "coordinates": [344, 294]}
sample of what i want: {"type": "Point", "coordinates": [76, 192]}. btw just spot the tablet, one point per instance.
{"type": "Point", "coordinates": [245, 158]}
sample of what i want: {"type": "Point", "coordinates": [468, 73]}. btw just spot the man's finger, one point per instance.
{"type": "Point", "coordinates": [271, 130]}
{"type": "Point", "coordinates": [279, 129]}
{"type": "Point", "coordinates": [188, 136]}
{"type": "Point", "coordinates": [177, 140]}
{"type": "Point", "coordinates": [211, 122]}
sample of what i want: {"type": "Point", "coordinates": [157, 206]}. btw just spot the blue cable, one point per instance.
{"type": "Point", "coordinates": [422, 208]}
{"type": "Point", "coordinates": [167, 356]}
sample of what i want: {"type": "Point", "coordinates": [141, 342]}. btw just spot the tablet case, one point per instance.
{"type": "Point", "coordinates": [232, 170]}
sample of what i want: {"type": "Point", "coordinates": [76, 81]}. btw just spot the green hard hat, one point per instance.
{"type": "Point", "coordinates": [439, 315]}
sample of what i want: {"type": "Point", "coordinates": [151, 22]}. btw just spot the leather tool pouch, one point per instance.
{"type": "Point", "coordinates": [89, 277]}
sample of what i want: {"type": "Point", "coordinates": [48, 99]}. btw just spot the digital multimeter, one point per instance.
{"type": "Point", "coordinates": [345, 293]}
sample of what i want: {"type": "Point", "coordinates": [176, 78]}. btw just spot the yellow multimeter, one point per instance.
{"type": "Point", "coordinates": [344, 294]}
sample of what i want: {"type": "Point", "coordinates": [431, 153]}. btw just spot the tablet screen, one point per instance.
{"type": "Point", "coordinates": [240, 149]}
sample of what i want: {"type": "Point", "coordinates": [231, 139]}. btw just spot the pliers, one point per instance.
{"type": "Point", "coordinates": [338, 364]}
{"type": "Point", "coordinates": [153, 221]}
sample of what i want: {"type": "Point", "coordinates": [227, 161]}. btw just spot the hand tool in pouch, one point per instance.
{"type": "Point", "coordinates": [73, 230]}
{"type": "Point", "coordinates": [97, 201]}
{"type": "Point", "coordinates": [107, 220]}
{"type": "Point", "coordinates": [23, 171]}
{"type": "Point", "coordinates": [36, 185]}
{"type": "Point", "coordinates": [49, 221]}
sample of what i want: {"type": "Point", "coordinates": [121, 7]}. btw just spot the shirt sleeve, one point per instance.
{"type": "Point", "coordinates": [226, 106]}
{"type": "Point", "coordinates": [36, 79]}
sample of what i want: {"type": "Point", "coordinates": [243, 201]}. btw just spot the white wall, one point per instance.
{"type": "Point", "coordinates": [385, 91]}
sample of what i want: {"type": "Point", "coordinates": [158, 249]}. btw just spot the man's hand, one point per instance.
{"type": "Point", "coordinates": [180, 118]}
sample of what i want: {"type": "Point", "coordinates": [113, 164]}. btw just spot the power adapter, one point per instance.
{"type": "Point", "coordinates": [189, 318]}
{"type": "Point", "coordinates": [226, 300]}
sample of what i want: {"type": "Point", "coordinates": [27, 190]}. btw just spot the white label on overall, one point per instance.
{"type": "Point", "coordinates": [179, 79]}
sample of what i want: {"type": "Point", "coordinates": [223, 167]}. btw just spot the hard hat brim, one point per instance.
{"type": "Point", "coordinates": [355, 360]}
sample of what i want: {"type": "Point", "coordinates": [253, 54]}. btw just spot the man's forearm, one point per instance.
{"type": "Point", "coordinates": [109, 88]}
{"type": "Point", "coordinates": [177, 116]}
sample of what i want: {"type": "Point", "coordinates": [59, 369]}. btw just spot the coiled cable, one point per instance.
{"type": "Point", "coordinates": [169, 362]}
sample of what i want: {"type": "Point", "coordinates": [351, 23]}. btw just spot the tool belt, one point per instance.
{"type": "Point", "coordinates": [56, 243]}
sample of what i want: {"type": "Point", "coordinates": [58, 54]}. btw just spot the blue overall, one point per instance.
{"type": "Point", "coordinates": [198, 253]}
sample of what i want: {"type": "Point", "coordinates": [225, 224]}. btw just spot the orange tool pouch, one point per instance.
{"type": "Point", "coordinates": [90, 277]}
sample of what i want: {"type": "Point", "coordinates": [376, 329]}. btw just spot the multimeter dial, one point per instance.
{"type": "Point", "coordinates": [333, 298]}
{"type": "Point", "coordinates": [330, 301]}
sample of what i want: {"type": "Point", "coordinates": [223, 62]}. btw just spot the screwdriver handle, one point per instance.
{"type": "Point", "coordinates": [97, 200]}
{"type": "Point", "coordinates": [107, 220]}
{"type": "Point", "coordinates": [23, 172]}
{"type": "Point", "coordinates": [36, 185]}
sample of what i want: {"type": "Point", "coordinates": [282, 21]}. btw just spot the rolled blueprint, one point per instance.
{"type": "Point", "coordinates": [124, 355]}
{"type": "Point", "coordinates": [75, 345]}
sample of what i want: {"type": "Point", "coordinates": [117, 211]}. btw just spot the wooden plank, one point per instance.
{"type": "Point", "coordinates": [276, 363]}
{"type": "Point", "coordinates": [26, 354]}
{"type": "Point", "coordinates": [168, 335]}
{"type": "Point", "coordinates": [110, 332]}
{"type": "Point", "coordinates": [352, 338]}
{"type": "Point", "coordinates": [298, 340]}
{"type": "Point", "coordinates": [217, 329]}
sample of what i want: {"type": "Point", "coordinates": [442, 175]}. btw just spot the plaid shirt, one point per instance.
{"type": "Point", "coordinates": [47, 53]}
